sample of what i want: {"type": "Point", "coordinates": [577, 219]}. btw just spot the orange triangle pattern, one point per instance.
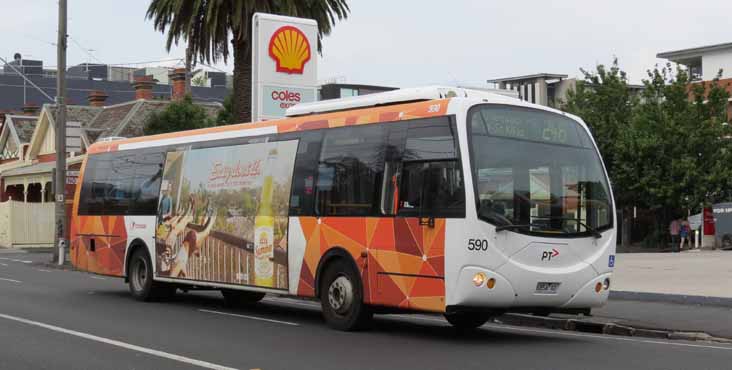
{"type": "Point", "coordinates": [404, 264]}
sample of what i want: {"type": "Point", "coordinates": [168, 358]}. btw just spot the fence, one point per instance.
{"type": "Point", "coordinates": [26, 224]}
{"type": "Point", "coordinates": [229, 259]}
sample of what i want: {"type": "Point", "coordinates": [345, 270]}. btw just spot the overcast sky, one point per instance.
{"type": "Point", "coordinates": [409, 42]}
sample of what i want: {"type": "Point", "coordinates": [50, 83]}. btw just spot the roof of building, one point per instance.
{"type": "Point", "coordinates": [42, 167]}
{"type": "Point", "coordinates": [693, 52]}
{"type": "Point", "coordinates": [23, 126]}
{"type": "Point", "coordinates": [528, 77]}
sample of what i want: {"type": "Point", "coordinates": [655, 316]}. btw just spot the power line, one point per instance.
{"type": "Point", "coordinates": [84, 49]}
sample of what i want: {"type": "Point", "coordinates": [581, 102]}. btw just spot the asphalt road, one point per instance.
{"type": "Point", "coordinates": [55, 319]}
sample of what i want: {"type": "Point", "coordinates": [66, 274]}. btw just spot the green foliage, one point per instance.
{"type": "Point", "coordinates": [665, 150]}
{"type": "Point", "coordinates": [213, 27]}
{"type": "Point", "coordinates": [676, 152]}
{"type": "Point", "coordinates": [178, 116]}
{"type": "Point", "coordinates": [199, 80]}
{"type": "Point", "coordinates": [605, 102]}
{"type": "Point", "coordinates": [226, 115]}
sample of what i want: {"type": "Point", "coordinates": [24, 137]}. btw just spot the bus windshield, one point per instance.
{"type": "Point", "coordinates": [537, 172]}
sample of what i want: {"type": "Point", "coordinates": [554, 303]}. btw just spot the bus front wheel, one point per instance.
{"type": "Point", "coordinates": [467, 320]}
{"type": "Point", "coordinates": [140, 276]}
{"type": "Point", "coordinates": [341, 296]}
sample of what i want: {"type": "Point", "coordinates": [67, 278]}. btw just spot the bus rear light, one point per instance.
{"type": "Point", "coordinates": [598, 287]}
{"type": "Point", "coordinates": [479, 279]}
{"type": "Point", "coordinates": [491, 283]}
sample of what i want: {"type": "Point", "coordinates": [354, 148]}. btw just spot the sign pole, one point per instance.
{"type": "Point", "coordinates": [60, 176]}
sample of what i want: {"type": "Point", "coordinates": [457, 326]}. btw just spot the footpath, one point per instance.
{"type": "Point", "coordinates": [685, 295]}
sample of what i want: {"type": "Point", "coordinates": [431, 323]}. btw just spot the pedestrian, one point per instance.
{"type": "Point", "coordinates": [684, 231]}
{"type": "Point", "coordinates": [673, 229]}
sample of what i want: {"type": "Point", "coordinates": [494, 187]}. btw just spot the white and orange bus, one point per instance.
{"type": "Point", "coordinates": [437, 199]}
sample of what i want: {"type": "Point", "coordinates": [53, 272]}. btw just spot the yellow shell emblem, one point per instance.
{"type": "Point", "coordinates": [290, 49]}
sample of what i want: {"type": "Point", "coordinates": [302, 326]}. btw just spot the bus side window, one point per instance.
{"type": "Point", "coordinates": [350, 171]}
{"type": "Point", "coordinates": [431, 181]}
{"type": "Point", "coordinates": [146, 185]}
{"type": "Point", "coordinates": [302, 197]}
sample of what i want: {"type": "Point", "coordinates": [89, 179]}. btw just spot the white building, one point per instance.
{"type": "Point", "coordinates": [704, 62]}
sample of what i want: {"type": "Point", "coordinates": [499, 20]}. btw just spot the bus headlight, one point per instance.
{"type": "Point", "coordinates": [479, 279]}
{"type": "Point", "coordinates": [598, 287]}
{"type": "Point", "coordinates": [606, 284]}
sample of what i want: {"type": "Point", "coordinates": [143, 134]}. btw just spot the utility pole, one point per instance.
{"type": "Point", "coordinates": [60, 180]}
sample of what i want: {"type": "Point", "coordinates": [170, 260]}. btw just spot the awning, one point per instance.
{"type": "Point", "coordinates": [36, 173]}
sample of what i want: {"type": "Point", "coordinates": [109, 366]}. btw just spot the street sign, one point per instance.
{"type": "Point", "coordinates": [73, 137]}
{"type": "Point", "coordinates": [284, 64]}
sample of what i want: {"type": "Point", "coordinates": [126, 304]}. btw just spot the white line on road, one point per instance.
{"type": "Point", "coordinates": [250, 317]}
{"type": "Point", "coordinates": [4, 264]}
{"type": "Point", "coordinates": [117, 343]}
{"type": "Point", "coordinates": [11, 280]}
{"type": "Point", "coordinates": [97, 278]}
{"type": "Point", "coordinates": [44, 270]}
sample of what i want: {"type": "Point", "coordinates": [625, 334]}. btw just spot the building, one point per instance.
{"type": "Point", "coordinates": [29, 152]}
{"type": "Point", "coordinates": [704, 64]}
{"type": "Point", "coordinates": [548, 89]}
{"type": "Point", "coordinates": [340, 90]}
{"type": "Point", "coordinates": [83, 79]}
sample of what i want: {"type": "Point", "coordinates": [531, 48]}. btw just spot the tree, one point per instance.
{"type": "Point", "coordinates": [178, 116]}
{"type": "Point", "coordinates": [676, 154]}
{"type": "Point", "coordinates": [207, 24]}
{"type": "Point", "coordinates": [605, 102]}
{"type": "Point", "coordinates": [226, 115]}
{"type": "Point", "coordinates": [199, 80]}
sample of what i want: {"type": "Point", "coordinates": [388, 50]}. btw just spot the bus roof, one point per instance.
{"type": "Point", "coordinates": [374, 108]}
{"type": "Point", "coordinates": [422, 109]}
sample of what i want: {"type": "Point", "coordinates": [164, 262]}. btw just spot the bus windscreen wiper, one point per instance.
{"type": "Point", "coordinates": [517, 226]}
{"type": "Point", "coordinates": [592, 230]}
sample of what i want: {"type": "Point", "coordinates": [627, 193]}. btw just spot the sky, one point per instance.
{"type": "Point", "coordinates": [408, 42]}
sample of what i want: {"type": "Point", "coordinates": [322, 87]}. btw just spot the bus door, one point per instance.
{"type": "Point", "coordinates": [423, 185]}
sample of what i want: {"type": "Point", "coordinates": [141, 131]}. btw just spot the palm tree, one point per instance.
{"type": "Point", "coordinates": [206, 25]}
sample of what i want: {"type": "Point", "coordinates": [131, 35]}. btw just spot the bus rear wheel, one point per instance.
{"type": "Point", "coordinates": [467, 320]}
{"type": "Point", "coordinates": [341, 296]}
{"type": "Point", "coordinates": [140, 277]}
{"type": "Point", "coordinates": [237, 298]}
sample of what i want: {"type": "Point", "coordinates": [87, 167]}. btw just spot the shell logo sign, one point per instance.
{"type": "Point", "coordinates": [290, 49]}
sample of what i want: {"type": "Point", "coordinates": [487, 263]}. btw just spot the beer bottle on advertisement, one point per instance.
{"type": "Point", "coordinates": [264, 228]}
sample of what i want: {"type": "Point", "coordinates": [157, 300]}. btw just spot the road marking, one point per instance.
{"type": "Point", "coordinates": [4, 264]}
{"type": "Point", "coordinates": [97, 278]}
{"type": "Point", "coordinates": [11, 280]}
{"type": "Point", "coordinates": [44, 270]}
{"type": "Point", "coordinates": [21, 261]}
{"type": "Point", "coordinates": [289, 302]}
{"type": "Point", "coordinates": [250, 317]}
{"type": "Point", "coordinates": [132, 347]}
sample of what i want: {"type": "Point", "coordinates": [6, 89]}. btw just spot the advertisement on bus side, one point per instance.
{"type": "Point", "coordinates": [222, 214]}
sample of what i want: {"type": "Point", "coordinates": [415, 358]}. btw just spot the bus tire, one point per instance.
{"type": "Point", "coordinates": [141, 283]}
{"type": "Point", "coordinates": [341, 296]}
{"type": "Point", "coordinates": [239, 298]}
{"type": "Point", "coordinates": [467, 320]}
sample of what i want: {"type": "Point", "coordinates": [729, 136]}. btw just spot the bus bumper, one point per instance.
{"type": "Point", "coordinates": [504, 293]}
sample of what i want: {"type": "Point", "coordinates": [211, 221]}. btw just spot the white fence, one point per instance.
{"type": "Point", "coordinates": [26, 224]}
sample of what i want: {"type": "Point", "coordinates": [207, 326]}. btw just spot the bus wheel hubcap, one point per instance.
{"type": "Point", "coordinates": [340, 294]}
{"type": "Point", "coordinates": [140, 275]}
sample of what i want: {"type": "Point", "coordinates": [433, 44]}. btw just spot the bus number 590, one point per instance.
{"type": "Point", "coordinates": [477, 244]}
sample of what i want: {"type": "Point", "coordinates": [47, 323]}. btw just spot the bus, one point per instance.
{"type": "Point", "coordinates": [460, 202]}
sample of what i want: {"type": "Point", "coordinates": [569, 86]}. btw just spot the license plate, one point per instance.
{"type": "Point", "coordinates": [547, 287]}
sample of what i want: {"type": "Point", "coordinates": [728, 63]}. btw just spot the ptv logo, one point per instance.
{"type": "Point", "coordinates": [548, 255]}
